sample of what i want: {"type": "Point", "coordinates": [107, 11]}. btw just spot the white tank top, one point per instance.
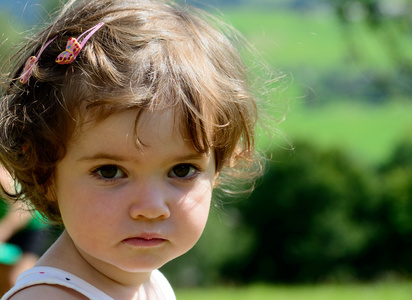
{"type": "Point", "coordinates": [54, 276]}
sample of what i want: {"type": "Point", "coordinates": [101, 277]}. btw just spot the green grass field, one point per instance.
{"type": "Point", "coordinates": [384, 291]}
{"type": "Point", "coordinates": [368, 132]}
{"type": "Point", "coordinates": [288, 39]}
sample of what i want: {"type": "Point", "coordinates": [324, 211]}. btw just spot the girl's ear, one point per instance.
{"type": "Point", "coordinates": [6, 181]}
{"type": "Point", "coordinates": [215, 179]}
{"type": "Point", "coordinates": [50, 193]}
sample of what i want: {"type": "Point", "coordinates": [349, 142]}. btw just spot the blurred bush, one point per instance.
{"type": "Point", "coordinates": [392, 248]}
{"type": "Point", "coordinates": [307, 217]}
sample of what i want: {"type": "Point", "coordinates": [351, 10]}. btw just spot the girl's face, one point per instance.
{"type": "Point", "coordinates": [133, 209]}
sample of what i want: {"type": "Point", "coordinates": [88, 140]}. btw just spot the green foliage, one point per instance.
{"type": "Point", "coordinates": [304, 218]}
{"type": "Point", "coordinates": [402, 156]}
{"type": "Point", "coordinates": [392, 246]}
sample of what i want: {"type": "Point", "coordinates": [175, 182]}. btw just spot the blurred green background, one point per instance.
{"type": "Point", "coordinates": [332, 217]}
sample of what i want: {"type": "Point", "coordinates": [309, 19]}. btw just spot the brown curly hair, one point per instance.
{"type": "Point", "coordinates": [148, 55]}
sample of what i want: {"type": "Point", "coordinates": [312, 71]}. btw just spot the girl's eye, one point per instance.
{"type": "Point", "coordinates": [109, 172]}
{"type": "Point", "coordinates": [183, 171]}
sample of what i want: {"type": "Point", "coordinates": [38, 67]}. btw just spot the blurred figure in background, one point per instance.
{"type": "Point", "coordinates": [23, 238]}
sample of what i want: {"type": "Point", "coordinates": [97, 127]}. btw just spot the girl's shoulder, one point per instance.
{"type": "Point", "coordinates": [52, 283]}
{"type": "Point", "coordinates": [162, 286]}
{"type": "Point", "coordinates": [48, 292]}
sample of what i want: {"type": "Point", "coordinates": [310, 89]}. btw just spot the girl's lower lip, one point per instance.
{"type": "Point", "coordinates": [144, 243]}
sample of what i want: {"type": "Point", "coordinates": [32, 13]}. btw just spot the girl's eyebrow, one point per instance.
{"type": "Point", "coordinates": [103, 156]}
{"type": "Point", "coordinates": [192, 156]}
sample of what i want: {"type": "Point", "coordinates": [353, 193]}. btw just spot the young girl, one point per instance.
{"type": "Point", "coordinates": [118, 121]}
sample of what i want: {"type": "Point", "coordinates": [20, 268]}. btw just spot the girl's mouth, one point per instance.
{"type": "Point", "coordinates": [145, 241]}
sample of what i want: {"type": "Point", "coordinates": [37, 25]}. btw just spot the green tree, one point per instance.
{"type": "Point", "coordinates": [389, 26]}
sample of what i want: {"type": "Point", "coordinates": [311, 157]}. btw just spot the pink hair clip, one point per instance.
{"type": "Point", "coordinates": [31, 61]}
{"type": "Point", "coordinates": [73, 46]}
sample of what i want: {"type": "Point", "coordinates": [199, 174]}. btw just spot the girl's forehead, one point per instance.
{"type": "Point", "coordinates": [143, 124]}
{"type": "Point", "coordinates": [163, 124]}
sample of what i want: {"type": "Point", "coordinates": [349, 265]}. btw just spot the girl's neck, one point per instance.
{"type": "Point", "coordinates": [114, 282]}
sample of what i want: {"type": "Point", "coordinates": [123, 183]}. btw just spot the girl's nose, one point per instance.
{"type": "Point", "coordinates": [150, 202]}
